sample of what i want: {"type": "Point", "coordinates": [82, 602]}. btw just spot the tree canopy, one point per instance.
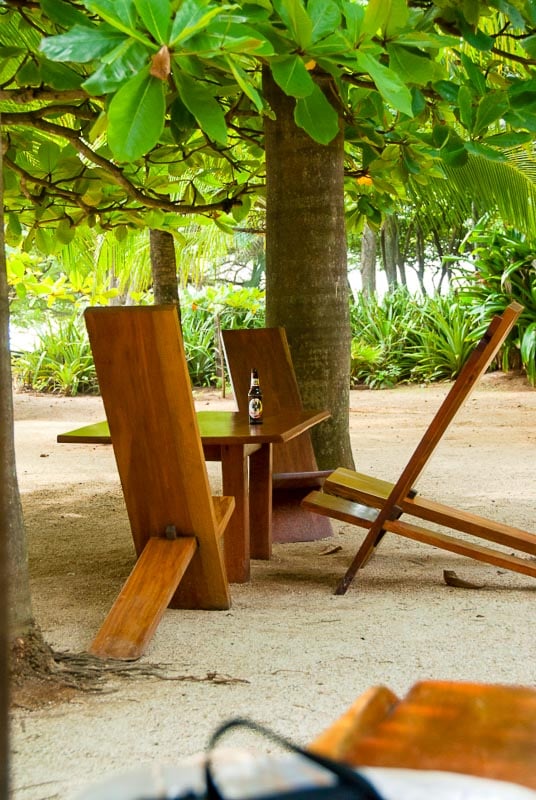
{"type": "Point", "coordinates": [125, 113]}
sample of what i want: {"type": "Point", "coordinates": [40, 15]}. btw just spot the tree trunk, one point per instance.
{"type": "Point", "coordinates": [306, 271]}
{"type": "Point", "coordinates": [389, 240]}
{"type": "Point", "coordinates": [164, 269]}
{"type": "Point", "coordinates": [9, 499]}
{"type": "Point", "coordinates": [368, 260]}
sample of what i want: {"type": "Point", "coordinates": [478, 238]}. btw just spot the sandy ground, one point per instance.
{"type": "Point", "coordinates": [289, 653]}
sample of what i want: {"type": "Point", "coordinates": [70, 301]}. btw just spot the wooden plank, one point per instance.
{"type": "Point", "coordinates": [462, 547]}
{"type": "Point", "coordinates": [371, 491]}
{"type": "Point", "coordinates": [134, 617]}
{"type": "Point", "coordinates": [486, 730]}
{"type": "Point", "coordinates": [340, 508]}
{"type": "Point", "coordinates": [370, 708]}
{"type": "Point", "coordinates": [147, 396]}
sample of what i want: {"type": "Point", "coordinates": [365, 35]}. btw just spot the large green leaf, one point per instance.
{"type": "Point", "coordinates": [390, 86]}
{"type": "Point", "coordinates": [354, 16]}
{"type": "Point", "coordinates": [413, 66]}
{"type": "Point", "coordinates": [491, 108]}
{"type": "Point", "coordinates": [202, 105]}
{"type": "Point", "coordinates": [376, 15]}
{"type": "Point", "coordinates": [81, 44]}
{"type": "Point", "coordinates": [465, 105]}
{"type": "Point", "coordinates": [398, 17]}
{"type": "Point", "coordinates": [120, 14]}
{"type": "Point", "coordinates": [316, 115]}
{"type": "Point", "coordinates": [325, 16]}
{"type": "Point", "coordinates": [64, 14]}
{"type": "Point", "coordinates": [297, 20]}
{"type": "Point", "coordinates": [239, 38]}
{"type": "Point", "coordinates": [136, 117]}
{"type": "Point", "coordinates": [190, 19]}
{"type": "Point", "coordinates": [291, 75]}
{"type": "Point", "coordinates": [156, 16]}
{"type": "Point", "coordinates": [244, 81]}
{"type": "Point", "coordinates": [121, 64]}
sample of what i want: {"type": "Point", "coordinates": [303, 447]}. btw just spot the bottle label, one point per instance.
{"type": "Point", "coordinates": [255, 409]}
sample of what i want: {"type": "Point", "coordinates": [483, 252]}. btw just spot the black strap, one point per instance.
{"type": "Point", "coordinates": [347, 776]}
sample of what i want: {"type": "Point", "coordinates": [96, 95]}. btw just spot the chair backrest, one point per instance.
{"type": "Point", "coordinates": [146, 391]}
{"type": "Point", "coordinates": [268, 351]}
{"type": "Point", "coordinates": [475, 366]}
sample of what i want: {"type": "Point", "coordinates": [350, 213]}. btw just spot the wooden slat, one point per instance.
{"type": "Point", "coordinates": [363, 489]}
{"type": "Point", "coordinates": [134, 617]}
{"type": "Point", "coordinates": [364, 714]}
{"type": "Point", "coordinates": [339, 508]}
{"type": "Point", "coordinates": [462, 547]}
{"type": "Point", "coordinates": [486, 730]}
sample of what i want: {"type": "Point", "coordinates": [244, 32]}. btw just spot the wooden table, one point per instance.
{"type": "Point", "coordinates": [228, 437]}
{"type": "Point", "coordinates": [487, 730]}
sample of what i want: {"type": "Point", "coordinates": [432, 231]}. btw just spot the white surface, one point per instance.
{"type": "Point", "coordinates": [240, 774]}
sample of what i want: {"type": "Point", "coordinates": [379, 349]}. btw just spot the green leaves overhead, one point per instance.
{"type": "Point", "coordinates": [317, 116]}
{"type": "Point", "coordinates": [291, 76]}
{"type": "Point", "coordinates": [389, 84]}
{"type": "Point", "coordinates": [416, 88]}
{"type": "Point", "coordinates": [202, 105]}
{"type": "Point", "coordinates": [136, 117]}
{"type": "Point", "coordinates": [156, 16]}
{"type": "Point", "coordinates": [82, 43]}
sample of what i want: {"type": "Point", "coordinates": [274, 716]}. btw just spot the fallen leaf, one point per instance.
{"type": "Point", "coordinates": [451, 579]}
{"type": "Point", "coordinates": [327, 551]}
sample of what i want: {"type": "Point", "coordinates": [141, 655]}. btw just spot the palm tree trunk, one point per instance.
{"type": "Point", "coordinates": [164, 269]}
{"type": "Point", "coordinates": [15, 606]}
{"type": "Point", "coordinates": [369, 247]}
{"type": "Point", "coordinates": [306, 271]}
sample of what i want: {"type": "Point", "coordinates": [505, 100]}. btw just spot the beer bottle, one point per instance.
{"type": "Point", "coordinates": [255, 399]}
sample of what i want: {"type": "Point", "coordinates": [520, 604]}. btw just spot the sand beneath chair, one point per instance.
{"type": "Point", "coordinates": [289, 653]}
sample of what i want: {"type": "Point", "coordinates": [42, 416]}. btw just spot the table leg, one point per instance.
{"type": "Point", "coordinates": [236, 539]}
{"type": "Point", "coordinates": [260, 502]}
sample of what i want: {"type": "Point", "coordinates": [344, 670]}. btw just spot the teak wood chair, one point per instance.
{"type": "Point", "coordinates": [378, 505]}
{"type": "Point", "coordinates": [294, 471]}
{"type": "Point", "coordinates": [176, 524]}
{"type": "Point", "coordinates": [480, 729]}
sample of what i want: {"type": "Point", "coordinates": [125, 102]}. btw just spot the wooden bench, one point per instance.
{"type": "Point", "coordinates": [177, 525]}
{"type": "Point", "coordinates": [378, 505]}
{"type": "Point", "coordinates": [295, 471]}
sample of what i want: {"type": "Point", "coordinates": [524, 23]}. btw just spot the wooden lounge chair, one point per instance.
{"type": "Point", "coordinates": [295, 471]}
{"type": "Point", "coordinates": [378, 505]}
{"type": "Point", "coordinates": [480, 729]}
{"type": "Point", "coordinates": [176, 524]}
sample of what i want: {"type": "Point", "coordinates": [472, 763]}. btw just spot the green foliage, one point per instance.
{"type": "Point", "coordinates": [203, 315]}
{"type": "Point", "coordinates": [405, 339]}
{"type": "Point", "coordinates": [61, 363]}
{"type": "Point", "coordinates": [132, 112]}
{"type": "Point", "coordinates": [502, 269]}
{"type": "Point", "coordinates": [383, 338]}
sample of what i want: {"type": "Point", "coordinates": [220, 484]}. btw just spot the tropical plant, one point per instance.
{"type": "Point", "coordinates": [383, 336]}
{"type": "Point", "coordinates": [62, 361]}
{"type": "Point", "coordinates": [501, 267]}
{"type": "Point", "coordinates": [445, 339]}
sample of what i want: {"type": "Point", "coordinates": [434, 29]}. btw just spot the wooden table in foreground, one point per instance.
{"type": "Point", "coordinates": [485, 730]}
{"type": "Point", "coordinates": [228, 437]}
